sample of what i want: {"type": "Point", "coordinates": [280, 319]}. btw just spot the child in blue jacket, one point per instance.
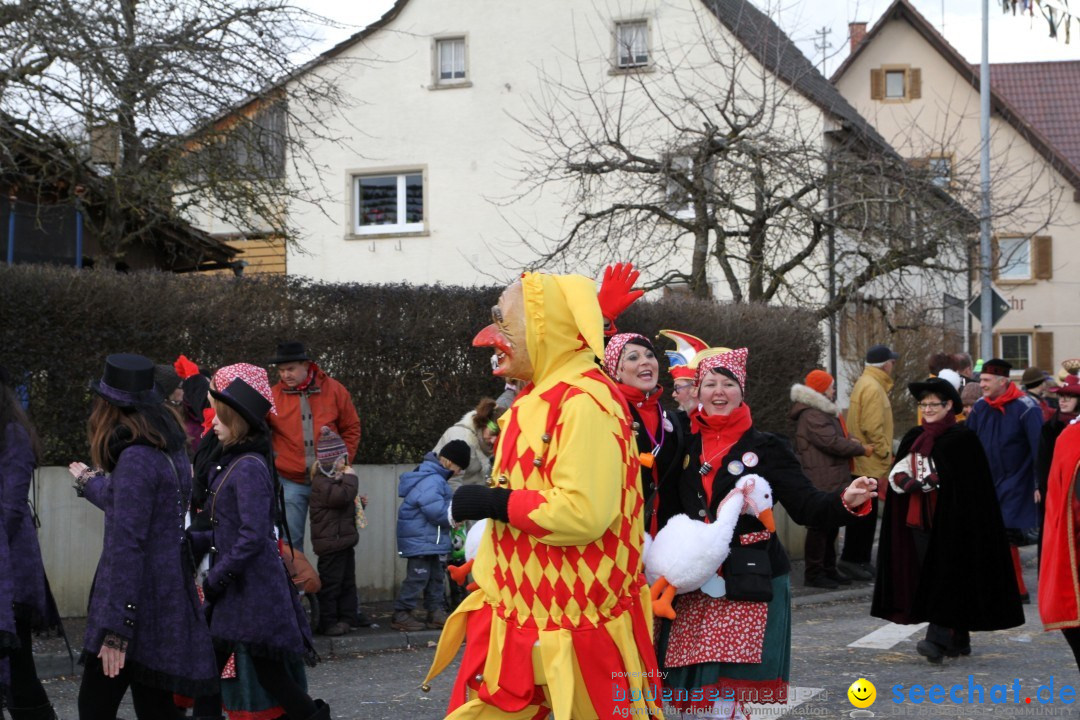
{"type": "Point", "coordinates": [423, 535]}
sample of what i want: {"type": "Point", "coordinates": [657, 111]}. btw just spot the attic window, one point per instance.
{"type": "Point", "coordinates": [895, 83]}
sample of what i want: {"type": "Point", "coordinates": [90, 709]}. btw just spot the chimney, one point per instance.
{"type": "Point", "coordinates": [856, 31]}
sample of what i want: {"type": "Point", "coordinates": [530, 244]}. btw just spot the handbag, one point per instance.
{"type": "Point", "coordinates": [748, 573]}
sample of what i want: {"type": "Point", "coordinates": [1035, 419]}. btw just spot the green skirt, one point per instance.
{"type": "Point", "coordinates": [695, 687]}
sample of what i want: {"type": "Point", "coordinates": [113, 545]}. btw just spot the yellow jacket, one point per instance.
{"type": "Point", "coordinates": [562, 610]}
{"type": "Point", "coordinates": [870, 421]}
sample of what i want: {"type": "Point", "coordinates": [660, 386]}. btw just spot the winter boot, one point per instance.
{"type": "Point", "coordinates": [405, 622]}
{"type": "Point", "coordinates": [436, 619]}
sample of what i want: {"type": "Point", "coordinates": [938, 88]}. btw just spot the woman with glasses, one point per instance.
{"type": "Point", "coordinates": [943, 557]}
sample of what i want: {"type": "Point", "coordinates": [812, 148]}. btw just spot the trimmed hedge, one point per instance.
{"type": "Point", "coordinates": [403, 351]}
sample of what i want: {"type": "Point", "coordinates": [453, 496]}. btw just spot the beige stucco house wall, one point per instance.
{"type": "Point", "coordinates": [465, 140]}
{"type": "Point", "coordinates": [1033, 200]}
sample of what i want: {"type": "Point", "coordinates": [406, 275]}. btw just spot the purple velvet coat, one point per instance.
{"type": "Point", "coordinates": [30, 591]}
{"type": "Point", "coordinates": [8, 640]}
{"type": "Point", "coordinates": [143, 589]}
{"type": "Point", "coordinates": [255, 602]}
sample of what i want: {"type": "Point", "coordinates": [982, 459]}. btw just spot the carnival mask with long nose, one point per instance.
{"type": "Point", "coordinates": [506, 335]}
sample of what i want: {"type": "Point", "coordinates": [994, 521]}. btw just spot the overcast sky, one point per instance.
{"type": "Point", "coordinates": [1012, 39]}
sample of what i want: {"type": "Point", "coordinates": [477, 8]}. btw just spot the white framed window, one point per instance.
{"type": "Point", "coordinates": [450, 61]}
{"type": "Point", "coordinates": [1014, 258]}
{"type": "Point", "coordinates": [895, 85]}
{"type": "Point", "coordinates": [1016, 349]}
{"type": "Point", "coordinates": [388, 203]}
{"type": "Point", "coordinates": [632, 44]}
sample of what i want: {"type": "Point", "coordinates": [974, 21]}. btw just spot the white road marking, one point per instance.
{"type": "Point", "coordinates": [885, 637]}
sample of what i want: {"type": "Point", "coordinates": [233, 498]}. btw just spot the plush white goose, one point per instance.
{"type": "Point", "coordinates": [687, 552]}
{"type": "Point", "coordinates": [460, 573]}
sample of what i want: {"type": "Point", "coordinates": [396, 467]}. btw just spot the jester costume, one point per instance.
{"type": "Point", "coordinates": [561, 623]}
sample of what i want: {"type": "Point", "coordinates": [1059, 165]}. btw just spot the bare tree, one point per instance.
{"type": "Point", "coordinates": [183, 106]}
{"type": "Point", "coordinates": [730, 163]}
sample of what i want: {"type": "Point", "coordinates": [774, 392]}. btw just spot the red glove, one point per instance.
{"type": "Point", "coordinates": [616, 291]}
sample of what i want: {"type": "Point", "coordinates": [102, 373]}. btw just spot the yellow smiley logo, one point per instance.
{"type": "Point", "coordinates": [862, 693]}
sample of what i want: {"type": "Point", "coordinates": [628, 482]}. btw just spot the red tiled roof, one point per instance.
{"type": "Point", "coordinates": [1044, 93]}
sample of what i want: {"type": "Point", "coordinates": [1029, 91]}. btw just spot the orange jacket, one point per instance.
{"type": "Point", "coordinates": [330, 404]}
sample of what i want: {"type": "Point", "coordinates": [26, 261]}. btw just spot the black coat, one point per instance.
{"type": "Point", "coordinates": [966, 581]}
{"type": "Point", "coordinates": [666, 469]}
{"type": "Point", "coordinates": [776, 463]}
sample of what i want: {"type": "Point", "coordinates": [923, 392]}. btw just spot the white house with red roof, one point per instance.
{"type": "Point", "coordinates": [923, 97]}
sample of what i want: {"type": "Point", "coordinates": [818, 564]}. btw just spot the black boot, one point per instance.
{"type": "Point", "coordinates": [323, 713]}
{"type": "Point", "coordinates": [41, 712]}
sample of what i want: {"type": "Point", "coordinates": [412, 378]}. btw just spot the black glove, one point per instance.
{"type": "Point", "coordinates": [476, 502]}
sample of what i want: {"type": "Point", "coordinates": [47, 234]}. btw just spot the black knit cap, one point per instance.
{"type": "Point", "coordinates": [457, 452]}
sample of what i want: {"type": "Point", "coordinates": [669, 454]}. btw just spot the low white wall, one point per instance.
{"type": "Point", "coordinates": [71, 532]}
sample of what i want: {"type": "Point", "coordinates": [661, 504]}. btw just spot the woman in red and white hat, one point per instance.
{"type": "Point", "coordinates": [736, 651]}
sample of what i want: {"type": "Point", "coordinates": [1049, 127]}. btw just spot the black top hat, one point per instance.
{"type": "Point", "coordinates": [940, 387]}
{"type": "Point", "coordinates": [245, 400]}
{"type": "Point", "coordinates": [128, 381]}
{"type": "Point", "coordinates": [290, 352]}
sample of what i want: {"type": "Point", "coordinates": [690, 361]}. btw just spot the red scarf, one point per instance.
{"type": "Point", "coordinates": [1059, 594]}
{"type": "Point", "coordinates": [647, 406]}
{"type": "Point", "coordinates": [1011, 393]}
{"type": "Point", "coordinates": [207, 420]}
{"type": "Point", "coordinates": [312, 370]}
{"type": "Point", "coordinates": [931, 431]}
{"type": "Point", "coordinates": [719, 433]}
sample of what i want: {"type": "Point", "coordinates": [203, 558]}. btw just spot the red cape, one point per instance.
{"type": "Point", "coordinates": [1059, 584]}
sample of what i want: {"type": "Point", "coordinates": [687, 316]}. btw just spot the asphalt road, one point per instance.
{"type": "Point", "coordinates": [385, 685]}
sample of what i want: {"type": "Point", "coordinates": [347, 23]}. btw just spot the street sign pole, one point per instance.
{"type": "Point", "coordinates": [986, 325]}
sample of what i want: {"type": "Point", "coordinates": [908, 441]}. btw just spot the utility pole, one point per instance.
{"type": "Point", "coordinates": [986, 322]}
{"type": "Point", "coordinates": [822, 44]}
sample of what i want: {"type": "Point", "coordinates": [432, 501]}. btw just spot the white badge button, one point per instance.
{"type": "Point", "coordinates": [750, 459]}
{"type": "Point", "coordinates": [735, 468]}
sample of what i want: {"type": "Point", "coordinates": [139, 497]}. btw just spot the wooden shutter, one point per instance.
{"type": "Point", "coordinates": [877, 84]}
{"type": "Point", "coordinates": [1044, 350]}
{"type": "Point", "coordinates": [1042, 261]}
{"type": "Point", "coordinates": [914, 89]}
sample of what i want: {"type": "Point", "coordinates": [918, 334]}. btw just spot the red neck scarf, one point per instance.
{"type": "Point", "coordinates": [1011, 393]}
{"type": "Point", "coordinates": [924, 444]}
{"type": "Point", "coordinates": [719, 433]}
{"type": "Point", "coordinates": [647, 406]}
{"type": "Point", "coordinates": [303, 387]}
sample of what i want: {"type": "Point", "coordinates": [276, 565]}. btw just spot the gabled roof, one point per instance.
{"type": "Point", "coordinates": [772, 47]}
{"type": "Point", "coordinates": [762, 37]}
{"type": "Point", "coordinates": [1044, 93]}
{"type": "Point", "coordinates": [1001, 104]}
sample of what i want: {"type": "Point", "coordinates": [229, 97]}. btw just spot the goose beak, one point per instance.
{"type": "Point", "coordinates": [766, 518]}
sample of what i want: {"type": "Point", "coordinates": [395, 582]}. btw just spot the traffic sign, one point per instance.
{"type": "Point", "coordinates": [998, 306]}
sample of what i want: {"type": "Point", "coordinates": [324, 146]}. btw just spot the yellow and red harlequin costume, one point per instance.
{"type": "Point", "coordinates": [561, 624]}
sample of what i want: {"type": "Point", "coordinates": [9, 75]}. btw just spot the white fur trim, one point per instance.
{"type": "Point", "coordinates": [809, 396]}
